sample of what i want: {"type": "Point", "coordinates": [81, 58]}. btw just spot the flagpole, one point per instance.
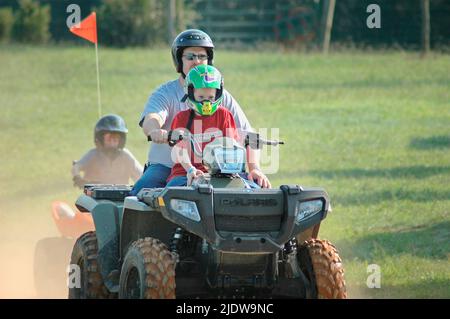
{"type": "Point", "coordinates": [87, 29]}
{"type": "Point", "coordinates": [98, 83]}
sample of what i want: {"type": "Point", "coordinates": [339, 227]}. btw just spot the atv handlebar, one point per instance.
{"type": "Point", "coordinates": [254, 140]}
{"type": "Point", "coordinates": [170, 140]}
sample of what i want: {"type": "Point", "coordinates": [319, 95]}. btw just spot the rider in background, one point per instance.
{"type": "Point", "coordinates": [109, 162]}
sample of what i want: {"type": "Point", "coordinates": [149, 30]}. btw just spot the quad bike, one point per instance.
{"type": "Point", "coordinates": [52, 254]}
{"type": "Point", "coordinates": [219, 237]}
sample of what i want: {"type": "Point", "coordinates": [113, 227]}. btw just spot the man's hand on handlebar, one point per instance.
{"type": "Point", "coordinates": [158, 136]}
{"type": "Point", "coordinates": [178, 134]}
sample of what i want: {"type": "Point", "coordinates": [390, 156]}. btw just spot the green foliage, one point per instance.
{"type": "Point", "coordinates": [401, 23]}
{"type": "Point", "coordinates": [6, 23]}
{"type": "Point", "coordinates": [131, 22]}
{"type": "Point", "coordinates": [185, 15]}
{"type": "Point", "coordinates": [32, 22]}
{"type": "Point", "coordinates": [140, 22]}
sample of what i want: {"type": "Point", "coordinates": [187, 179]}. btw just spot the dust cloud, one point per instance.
{"type": "Point", "coordinates": [22, 225]}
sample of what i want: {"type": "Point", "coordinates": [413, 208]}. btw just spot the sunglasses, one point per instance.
{"type": "Point", "coordinates": [193, 56]}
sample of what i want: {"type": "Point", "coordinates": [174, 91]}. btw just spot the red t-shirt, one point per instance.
{"type": "Point", "coordinates": [204, 130]}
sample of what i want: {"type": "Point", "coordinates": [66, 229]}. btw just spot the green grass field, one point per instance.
{"type": "Point", "coordinates": [373, 129]}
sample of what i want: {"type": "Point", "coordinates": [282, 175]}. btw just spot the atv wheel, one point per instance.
{"type": "Point", "coordinates": [322, 265]}
{"type": "Point", "coordinates": [51, 258]}
{"type": "Point", "coordinates": [148, 271]}
{"type": "Point", "coordinates": [84, 254]}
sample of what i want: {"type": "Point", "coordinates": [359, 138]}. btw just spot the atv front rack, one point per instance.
{"type": "Point", "coordinates": [237, 220]}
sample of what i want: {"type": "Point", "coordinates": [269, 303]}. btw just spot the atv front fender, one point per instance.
{"type": "Point", "coordinates": [107, 217]}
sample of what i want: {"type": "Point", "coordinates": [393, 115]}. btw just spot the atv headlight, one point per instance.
{"type": "Point", "coordinates": [306, 209]}
{"type": "Point", "coordinates": [186, 208]}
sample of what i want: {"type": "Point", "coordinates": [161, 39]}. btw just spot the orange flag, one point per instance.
{"type": "Point", "coordinates": [87, 28]}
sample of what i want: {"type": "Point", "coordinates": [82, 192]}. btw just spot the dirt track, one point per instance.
{"type": "Point", "coordinates": [19, 232]}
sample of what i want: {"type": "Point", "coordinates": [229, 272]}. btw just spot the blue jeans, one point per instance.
{"type": "Point", "coordinates": [177, 181]}
{"type": "Point", "coordinates": [154, 176]}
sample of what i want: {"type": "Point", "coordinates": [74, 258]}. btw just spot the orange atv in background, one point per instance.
{"type": "Point", "coordinates": [52, 254]}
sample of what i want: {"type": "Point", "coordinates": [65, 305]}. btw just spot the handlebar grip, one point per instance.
{"type": "Point", "coordinates": [172, 141]}
{"type": "Point", "coordinates": [256, 142]}
{"type": "Point", "coordinates": [270, 142]}
{"type": "Point", "coordinates": [169, 138]}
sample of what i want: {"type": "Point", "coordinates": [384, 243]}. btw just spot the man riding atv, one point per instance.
{"type": "Point", "coordinates": [189, 49]}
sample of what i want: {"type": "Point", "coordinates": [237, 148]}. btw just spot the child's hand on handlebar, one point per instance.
{"type": "Point", "coordinates": [193, 174]}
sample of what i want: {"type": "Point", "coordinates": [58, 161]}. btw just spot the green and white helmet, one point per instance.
{"type": "Point", "coordinates": [204, 76]}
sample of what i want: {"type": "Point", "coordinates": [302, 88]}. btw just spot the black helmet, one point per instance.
{"type": "Point", "coordinates": [191, 38]}
{"type": "Point", "coordinates": [110, 123]}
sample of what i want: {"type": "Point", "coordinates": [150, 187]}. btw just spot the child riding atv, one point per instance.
{"type": "Point", "coordinates": [206, 121]}
{"type": "Point", "coordinates": [108, 163]}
